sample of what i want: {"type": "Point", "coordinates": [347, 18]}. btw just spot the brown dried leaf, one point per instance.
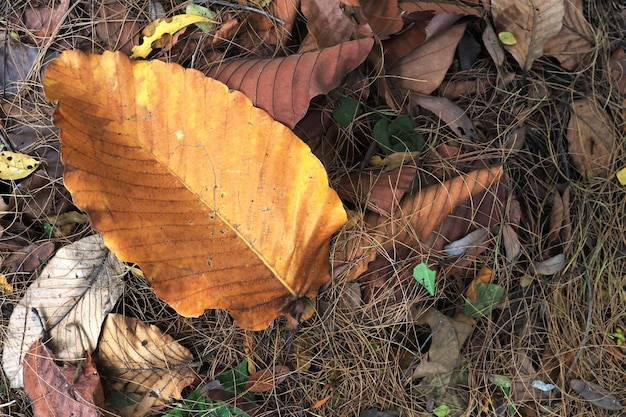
{"type": "Point", "coordinates": [53, 390]}
{"type": "Point", "coordinates": [441, 7]}
{"type": "Point", "coordinates": [591, 138]}
{"type": "Point", "coordinates": [512, 246]}
{"type": "Point", "coordinates": [575, 41]}
{"type": "Point", "coordinates": [44, 21]}
{"type": "Point", "coordinates": [324, 14]}
{"type": "Point", "coordinates": [423, 69]}
{"type": "Point", "coordinates": [381, 191]}
{"type": "Point", "coordinates": [267, 379]}
{"type": "Point", "coordinates": [449, 113]}
{"type": "Point", "coordinates": [532, 22]}
{"type": "Point", "coordinates": [117, 27]}
{"type": "Point", "coordinates": [421, 214]}
{"type": "Point", "coordinates": [383, 16]}
{"type": "Point", "coordinates": [618, 69]}
{"type": "Point", "coordinates": [141, 362]}
{"type": "Point", "coordinates": [284, 86]}
{"type": "Point", "coordinates": [596, 395]}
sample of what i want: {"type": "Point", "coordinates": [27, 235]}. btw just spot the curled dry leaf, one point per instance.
{"type": "Point", "coordinates": [512, 246]}
{"type": "Point", "coordinates": [267, 379]}
{"type": "Point", "coordinates": [596, 395]}
{"type": "Point", "coordinates": [249, 233]}
{"type": "Point", "coordinates": [284, 86]}
{"type": "Point", "coordinates": [550, 266]}
{"type": "Point", "coordinates": [450, 113]}
{"type": "Point", "coordinates": [72, 390]}
{"type": "Point", "coordinates": [532, 22]}
{"type": "Point", "coordinates": [142, 365]}
{"type": "Point", "coordinates": [591, 138]}
{"type": "Point", "coordinates": [422, 213]}
{"type": "Point", "coordinates": [73, 295]}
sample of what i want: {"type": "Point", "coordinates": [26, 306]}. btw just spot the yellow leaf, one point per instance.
{"type": "Point", "coordinates": [507, 38]}
{"type": "Point", "coordinates": [220, 205]}
{"type": "Point", "coordinates": [621, 176]}
{"type": "Point", "coordinates": [163, 26]}
{"type": "Point", "coordinates": [5, 285]}
{"type": "Point", "coordinates": [15, 166]}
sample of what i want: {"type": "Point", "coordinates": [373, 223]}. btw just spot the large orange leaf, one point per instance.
{"type": "Point", "coordinates": [221, 206]}
{"type": "Point", "coordinates": [284, 86]}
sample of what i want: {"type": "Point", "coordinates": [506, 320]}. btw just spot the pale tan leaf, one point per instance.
{"type": "Point", "coordinates": [267, 379]}
{"type": "Point", "coordinates": [141, 362]}
{"type": "Point", "coordinates": [591, 138]}
{"type": "Point", "coordinates": [512, 247]}
{"type": "Point", "coordinates": [73, 295]}
{"type": "Point", "coordinates": [449, 113]}
{"type": "Point", "coordinates": [550, 266]}
{"type": "Point", "coordinates": [532, 22]}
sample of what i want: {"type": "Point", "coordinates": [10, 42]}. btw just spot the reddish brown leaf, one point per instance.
{"type": "Point", "coordinates": [267, 379]}
{"type": "Point", "coordinates": [422, 213]}
{"type": "Point", "coordinates": [441, 7]}
{"type": "Point", "coordinates": [618, 69]}
{"type": "Point", "coordinates": [383, 16]}
{"type": "Point", "coordinates": [117, 27]}
{"type": "Point", "coordinates": [248, 232]}
{"type": "Point", "coordinates": [423, 69]}
{"type": "Point", "coordinates": [266, 31]}
{"type": "Point", "coordinates": [284, 86]}
{"type": "Point", "coordinates": [61, 391]}
{"type": "Point", "coordinates": [44, 21]}
{"type": "Point", "coordinates": [382, 191]}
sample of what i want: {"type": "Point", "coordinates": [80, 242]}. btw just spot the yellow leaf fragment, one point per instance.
{"type": "Point", "coordinates": [621, 176]}
{"type": "Point", "coordinates": [155, 32]}
{"type": "Point", "coordinates": [5, 285]}
{"type": "Point", "coordinates": [15, 166]}
{"type": "Point", "coordinates": [507, 38]}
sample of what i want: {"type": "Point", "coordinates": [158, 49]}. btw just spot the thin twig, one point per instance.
{"type": "Point", "coordinates": [241, 7]}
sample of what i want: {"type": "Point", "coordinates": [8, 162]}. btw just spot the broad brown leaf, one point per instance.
{"type": "Point", "coordinates": [324, 14]}
{"type": "Point", "coordinates": [284, 86]}
{"type": "Point", "coordinates": [142, 365]}
{"type": "Point", "coordinates": [61, 391]}
{"type": "Point", "coordinates": [532, 22]}
{"type": "Point", "coordinates": [423, 69]}
{"type": "Point", "coordinates": [417, 217]}
{"type": "Point", "coordinates": [221, 206]}
{"type": "Point", "coordinates": [591, 138]}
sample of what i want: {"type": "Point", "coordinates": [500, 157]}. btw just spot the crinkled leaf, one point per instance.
{"type": "Point", "coordinates": [155, 32]}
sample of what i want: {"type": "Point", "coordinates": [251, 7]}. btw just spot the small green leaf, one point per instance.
{"type": "Point", "coordinates": [425, 276]}
{"type": "Point", "coordinates": [488, 296]}
{"type": "Point", "coordinates": [345, 111]}
{"type": "Point", "coordinates": [507, 38]}
{"type": "Point", "coordinates": [234, 380]}
{"type": "Point", "coordinates": [207, 27]}
{"type": "Point", "coordinates": [381, 135]}
{"type": "Point", "coordinates": [442, 411]}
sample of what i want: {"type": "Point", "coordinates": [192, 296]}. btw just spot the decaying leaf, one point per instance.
{"type": "Point", "coordinates": [250, 232]}
{"type": "Point", "coordinates": [531, 22]}
{"type": "Point", "coordinates": [596, 395]}
{"type": "Point", "coordinates": [72, 390]}
{"type": "Point", "coordinates": [448, 337]}
{"type": "Point", "coordinates": [591, 138]}
{"type": "Point", "coordinates": [15, 166]}
{"type": "Point", "coordinates": [449, 113]}
{"type": "Point", "coordinates": [73, 295]}
{"type": "Point", "coordinates": [142, 365]}
{"type": "Point", "coordinates": [158, 33]}
{"type": "Point", "coordinates": [284, 86]}
{"type": "Point", "coordinates": [267, 379]}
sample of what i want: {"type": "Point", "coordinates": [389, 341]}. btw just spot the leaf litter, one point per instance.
{"type": "Point", "coordinates": [543, 113]}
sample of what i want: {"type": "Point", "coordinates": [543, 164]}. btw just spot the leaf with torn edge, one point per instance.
{"type": "Point", "coordinates": [532, 23]}
{"type": "Point", "coordinates": [142, 364]}
{"type": "Point", "coordinates": [15, 166]}
{"type": "Point", "coordinates": [157, 33]}
{"type": "Point", "coordinates": [213, 211]}
{"type": "Point", "coordinates": [488, 296]}
{"type": "Point", "coordinates": [425, 276]}
{"type": "Point", "coordinates": [73, 294]}
{"type": "Point", "coordinates": [72, 390]}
